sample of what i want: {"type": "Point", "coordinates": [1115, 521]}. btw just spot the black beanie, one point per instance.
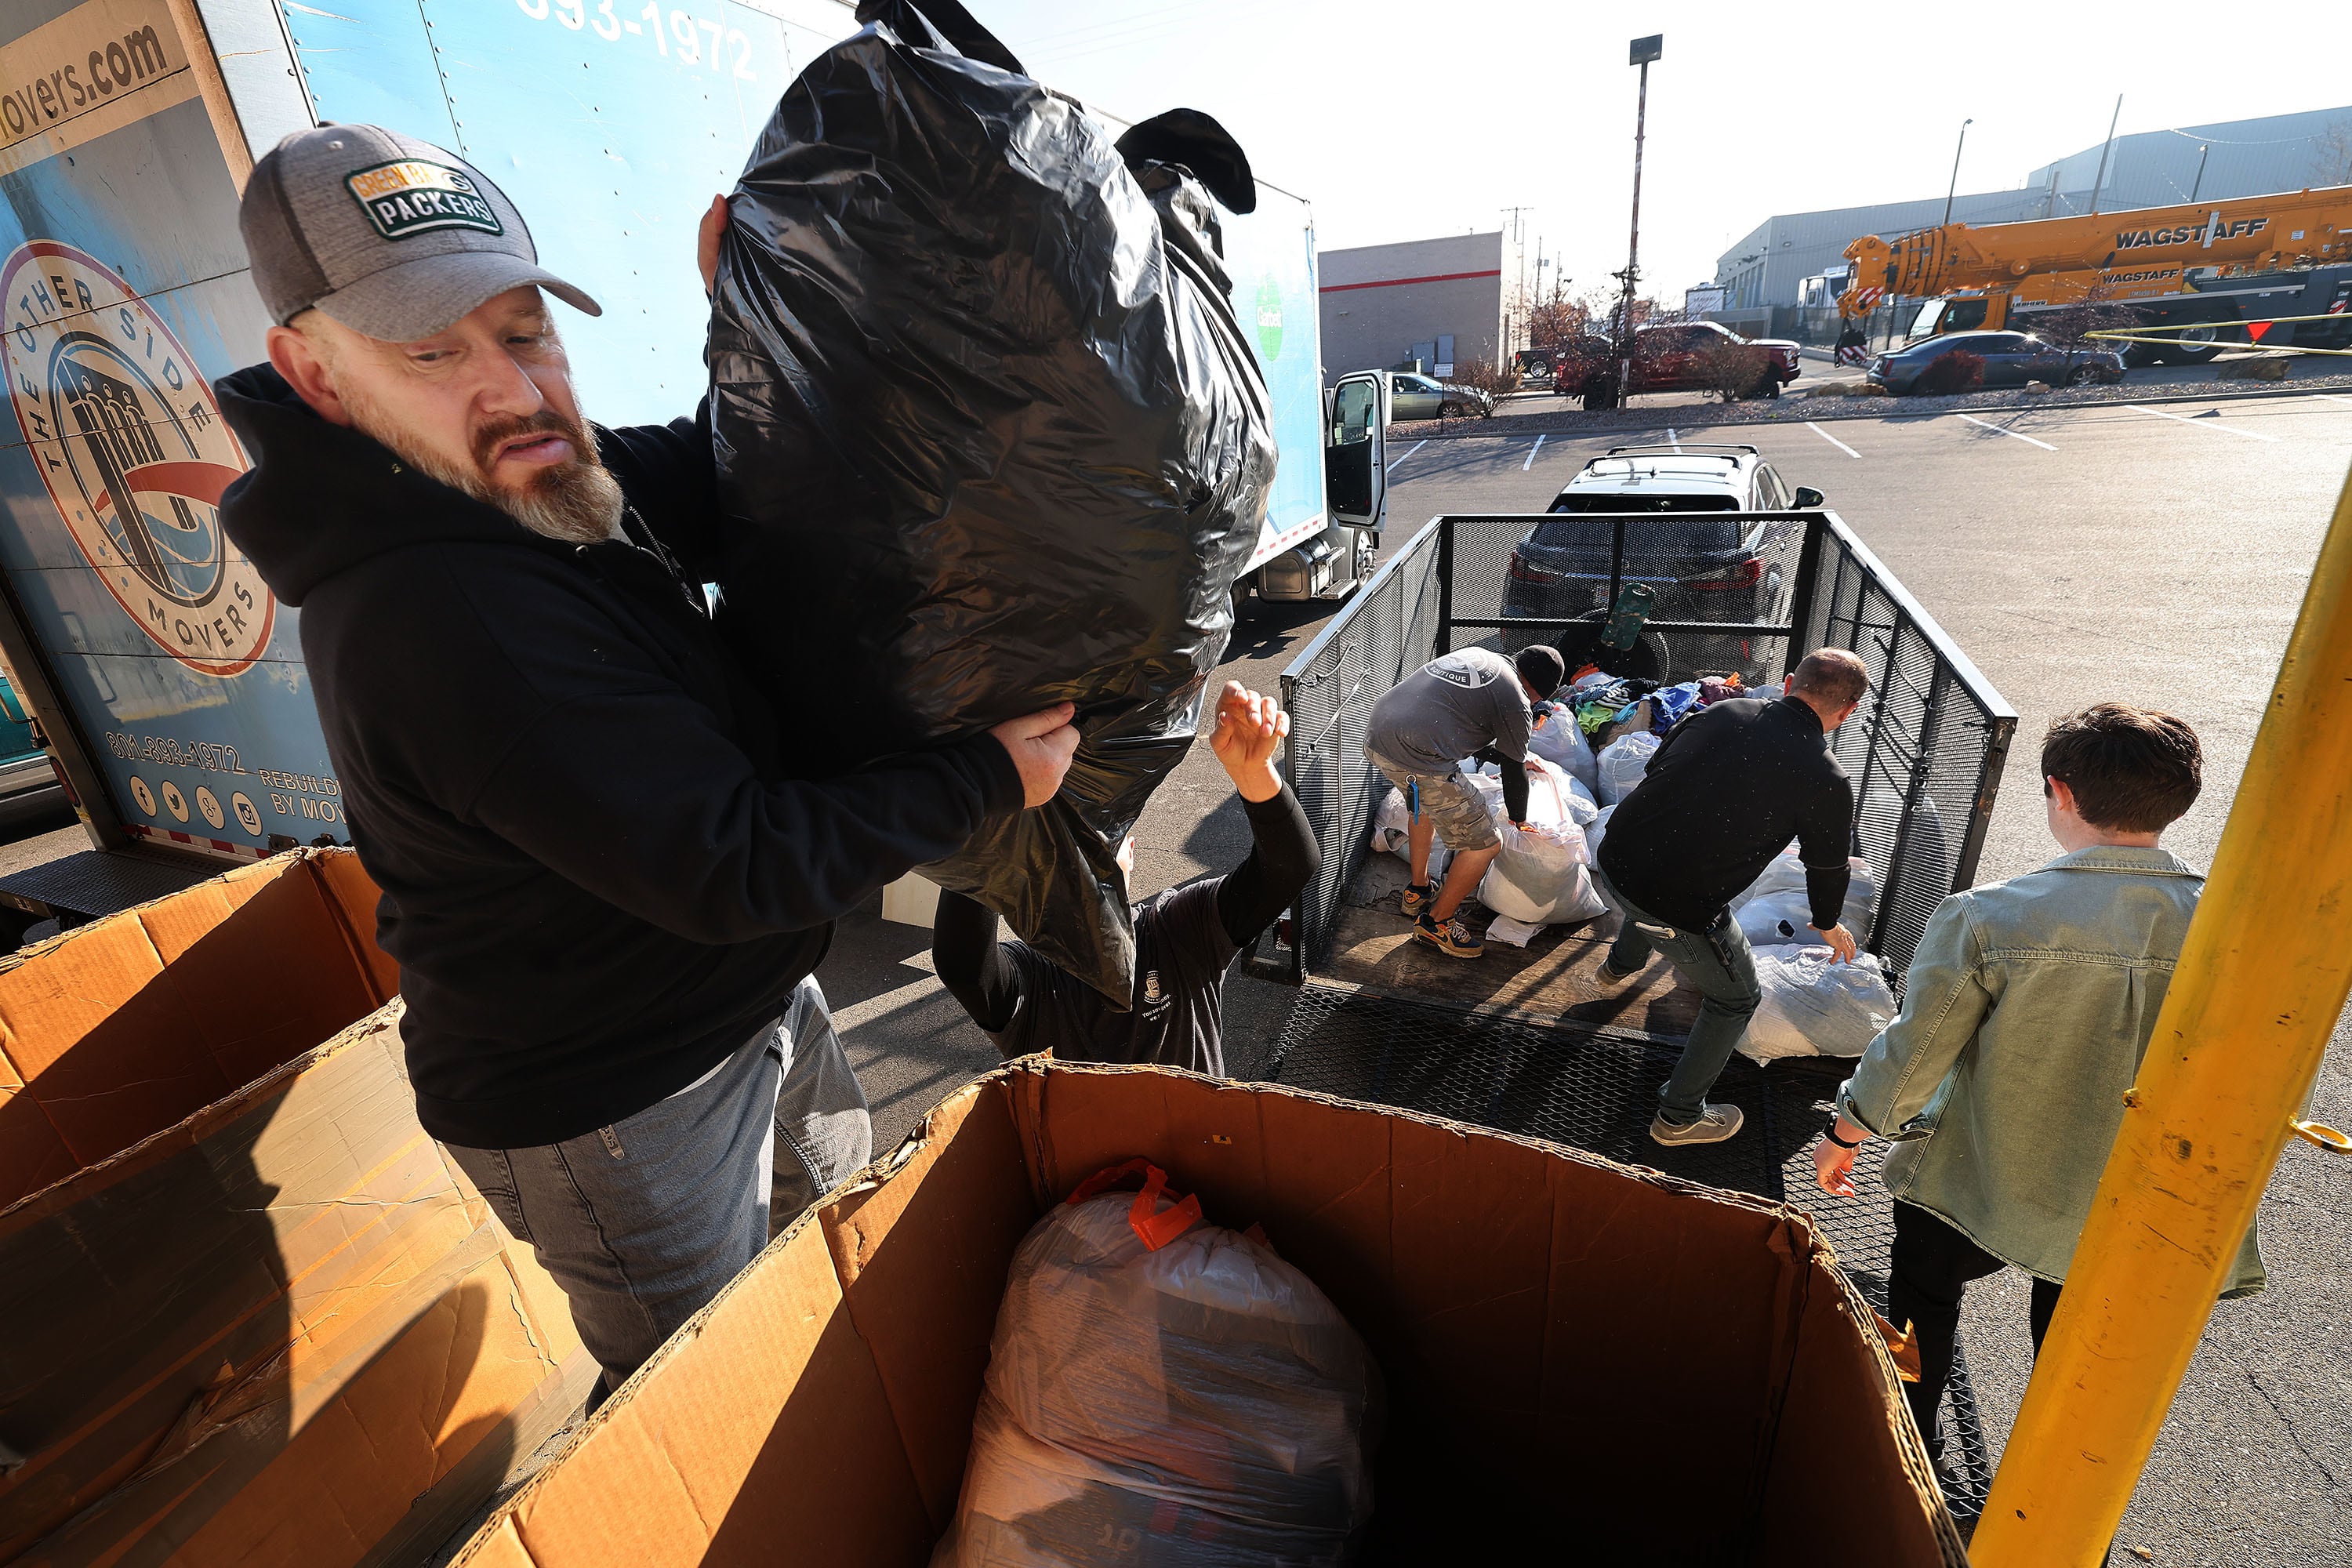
{"type": "Point", "coordinates": [1542, 668]}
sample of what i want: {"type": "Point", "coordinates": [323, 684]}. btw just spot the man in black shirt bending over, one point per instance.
{"type": "Point", "coordinates": [1184, 940]}
{"type": "Point", "coordinates": [1725, 794]}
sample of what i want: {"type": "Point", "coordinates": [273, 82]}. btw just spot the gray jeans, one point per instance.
{"type": "Point", "coordinates": [1717, 964]}
{"type": "Point", "coordinates": [643, 1222]}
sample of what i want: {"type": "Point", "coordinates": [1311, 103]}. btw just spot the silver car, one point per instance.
{"type": "Point", "coordinates": [1412, 396]}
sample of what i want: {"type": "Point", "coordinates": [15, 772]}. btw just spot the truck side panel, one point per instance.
{"type": "Point", "coordinates": [609, 132]}
{"type": "Point", "coordinates": [1271, 255]}
{"type": "Point", "coordinates": [179, 676]}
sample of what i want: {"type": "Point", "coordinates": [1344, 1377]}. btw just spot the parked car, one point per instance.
{"type": "Point", "coordinates": [1734, 570]}
{"type": "Point", "coordinates": [1683, 356]}
{"type": "Point", "coordinates": [1412, 396]}
{"type": "Point", "coordinates": [2010, 359]}
{"type": "Point", "coordinates": [28, 783]}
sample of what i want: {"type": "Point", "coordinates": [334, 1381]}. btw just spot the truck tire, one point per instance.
{"type": "Point", "coordinates": [2209, 338]}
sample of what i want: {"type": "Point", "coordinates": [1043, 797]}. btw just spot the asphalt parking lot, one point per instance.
{"type": "Point", "coordinates": [2157, 556]}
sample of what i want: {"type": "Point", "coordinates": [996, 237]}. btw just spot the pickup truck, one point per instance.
{"type": "Point", "coordinates": [1678, 356]}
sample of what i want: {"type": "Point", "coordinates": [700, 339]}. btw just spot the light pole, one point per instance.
{"type": "Point", "coordinates": [1954, 189]}
{"type": "Point", "coordinates": [1642, 52]}
{"type": "Point", "coordinates": [2198, 183]}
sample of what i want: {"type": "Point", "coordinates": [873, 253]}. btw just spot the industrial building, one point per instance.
{"type": "Point", "coordinates": [1769, 266]}
{"type": "Point", "coordinates": [1437, 302]}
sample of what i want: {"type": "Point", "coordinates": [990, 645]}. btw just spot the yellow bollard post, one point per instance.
{"type": "Point", "coordinates": [2261, 981]}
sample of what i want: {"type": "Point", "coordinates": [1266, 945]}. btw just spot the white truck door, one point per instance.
{"type": "Point", "coordinates": [1355, 477]}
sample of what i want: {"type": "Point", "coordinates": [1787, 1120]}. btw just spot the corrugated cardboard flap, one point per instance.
{"type": "Point", "coordinates": [1546, 1319]}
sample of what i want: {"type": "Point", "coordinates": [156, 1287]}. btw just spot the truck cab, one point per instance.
{"type": "Point", "coordinates": [1330, 562]}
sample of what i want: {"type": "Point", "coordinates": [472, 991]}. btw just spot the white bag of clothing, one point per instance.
{"type": "Point", "coordinates": [1573, 794]}
{"type": "Point", "coordinates": [1776, 909]}
{"type": "Point", "coordinates": [1198, 1400]}
{"type": "Point", "coordinates": [1392, 834]}
{"type": "Point", "coordinates": [1558, 740]}
{"type": "Point", "coordinates": [1539, 876]}
{"type": "Point", "coordinates": [1816, 1007]}
{"type": "Point", "coordinates": [1594, 831]}
{"type": "Point", "coordinates": [1621, 764]}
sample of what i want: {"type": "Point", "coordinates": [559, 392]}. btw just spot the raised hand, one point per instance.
{"type": "Point", "coordinates": [1249, 734]}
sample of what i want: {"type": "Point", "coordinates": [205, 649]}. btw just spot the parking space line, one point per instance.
{"type": "Point", "coordinates": [1672, 440]}
{"type": "Point", "coordinates": [2331, 397]}
{"type": "Point", "coordinates": [2198, 422]}
{"type": "Point", "coordinates": [2001, 430]}
{"type": "Point", "coordinates": [1417, 446]}
{"type": "Point", "coordinates": [1531, 454]}
{"type": "Point", "coordinates": [1831, 439]}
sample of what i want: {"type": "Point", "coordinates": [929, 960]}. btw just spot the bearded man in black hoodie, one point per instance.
{"type": "Point", "coordinates": [605, 899]}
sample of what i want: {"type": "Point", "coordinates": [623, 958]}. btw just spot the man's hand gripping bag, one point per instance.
{"type": "Point", "coordinates": [989, 437]}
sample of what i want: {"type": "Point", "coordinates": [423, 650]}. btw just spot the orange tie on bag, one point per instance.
{"type": "Point", "coordinates": [1153, 1227]}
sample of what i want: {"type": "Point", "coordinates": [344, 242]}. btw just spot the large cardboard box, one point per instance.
{"type": "Point", "coordinates": [248, 1314]}
{"type": "Point", "coordinates": [1586, 1362]}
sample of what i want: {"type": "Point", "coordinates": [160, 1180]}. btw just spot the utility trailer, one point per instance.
{"type": "Point", "coordinates": [1527, 1040]}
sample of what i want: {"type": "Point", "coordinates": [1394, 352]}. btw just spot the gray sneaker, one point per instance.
{"type": "Point", "coordinates": [1715, 1124]}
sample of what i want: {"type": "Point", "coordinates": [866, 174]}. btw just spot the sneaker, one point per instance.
{"type": "Point", "coordinates": [1715, 1124]}
{"type": "Point", "coordinates": [1450, 938]}
{"type": "Point", "coordinates": [1417, 898]}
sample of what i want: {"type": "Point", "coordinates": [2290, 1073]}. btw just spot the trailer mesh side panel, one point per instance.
{"type": "Point", "coordinates": [1388, 629]}
{"type": "Point", "coordinates": [1925, 751]}
{"type": "Point", "coordinates": [1597, 1092]}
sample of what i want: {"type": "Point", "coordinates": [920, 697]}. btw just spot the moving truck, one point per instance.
{"type": "Point", "coordinates": [165, 679]}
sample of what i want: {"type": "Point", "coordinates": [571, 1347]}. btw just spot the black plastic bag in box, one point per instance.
{"type": "Point", "coordinates": [989, 437]}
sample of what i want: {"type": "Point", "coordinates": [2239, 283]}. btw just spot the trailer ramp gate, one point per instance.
{"type": "Point", "coordinates": [1925, 751]}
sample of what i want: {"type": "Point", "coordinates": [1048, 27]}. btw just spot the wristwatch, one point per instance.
{"type": "Point", "coordinates": [1830, 1132]}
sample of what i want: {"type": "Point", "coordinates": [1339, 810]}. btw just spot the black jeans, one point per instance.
{"type": "Point", "coordinates": [1932, 1265]}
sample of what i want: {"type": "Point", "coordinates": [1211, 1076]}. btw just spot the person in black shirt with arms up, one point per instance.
{"type": "Point", "coordinates": [1725, 794]}
{"type": "Point", "coordinates": [1185, 939]}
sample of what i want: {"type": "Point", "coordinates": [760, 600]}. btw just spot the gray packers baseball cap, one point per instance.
{"type": "Point", "coordinates": [392, 236]}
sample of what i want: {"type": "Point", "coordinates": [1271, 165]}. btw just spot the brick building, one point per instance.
{"type": "Point", "coordinates": [1441, 301]}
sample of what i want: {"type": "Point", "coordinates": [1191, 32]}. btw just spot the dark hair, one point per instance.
{"type": "Point", "coordinates": [2133, 770]}
{"type": "Point", "coordinates": [1541, 668]}
{"type": "Point", "coordinates": [1831, 674]}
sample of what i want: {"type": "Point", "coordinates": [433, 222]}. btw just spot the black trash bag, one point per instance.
{"type": "Point", "coordinates": [989, 437]}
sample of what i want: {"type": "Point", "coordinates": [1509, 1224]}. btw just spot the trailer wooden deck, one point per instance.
{"type": "Point", "coordinates": [1553, 979]}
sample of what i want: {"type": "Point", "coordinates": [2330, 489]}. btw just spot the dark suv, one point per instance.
{"type": "Point", "coordinates": [1733, 570]}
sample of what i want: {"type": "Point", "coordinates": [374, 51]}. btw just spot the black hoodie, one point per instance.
{"type": "Point", "coordinates": [594, 882]}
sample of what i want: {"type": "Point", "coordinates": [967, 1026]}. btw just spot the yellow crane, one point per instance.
{"type": "Point", "coordinates": [2193, 270]}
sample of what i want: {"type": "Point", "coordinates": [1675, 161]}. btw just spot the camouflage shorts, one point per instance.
{"type": "Point", "coordinates": [1453, 808]}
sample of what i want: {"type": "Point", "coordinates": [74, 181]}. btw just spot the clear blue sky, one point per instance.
{"type": "Point", "coordinates": [1403, 120]}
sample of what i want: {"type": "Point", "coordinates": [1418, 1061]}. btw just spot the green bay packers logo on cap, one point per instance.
{"type": "Point", "coordinates": [413, 197]}
{"type": "Point", "coordinates": [129, 442]}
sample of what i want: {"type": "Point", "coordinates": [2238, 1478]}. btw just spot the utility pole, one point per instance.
{"type": "Point", "coordinates": [2100, 184]}
{"type": "Point", "coordinates": [1640, 53]}
{"type": "Point", "coordinates": [1519, 240]}
{"type": "Point", "coordinates": [1954, 188]}
{"type": "Point", "coordinates": [2199, 183]}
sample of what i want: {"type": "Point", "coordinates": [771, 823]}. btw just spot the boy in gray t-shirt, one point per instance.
{"type": "Point", "coordinates": [1458, 705]}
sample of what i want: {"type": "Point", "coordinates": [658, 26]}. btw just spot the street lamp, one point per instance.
{"type": "Point", "coordinates": [1642, 52]}
{"type": "Point", "coordinates": [1956, 170]}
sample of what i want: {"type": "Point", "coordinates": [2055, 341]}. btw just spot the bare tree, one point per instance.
{"type": "Point", "coordinates": [2331, 153]}
{"type": "Point", "coordinates": [1556, 322]}
{"type": "Point", "coordinates": [2071, 326]}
